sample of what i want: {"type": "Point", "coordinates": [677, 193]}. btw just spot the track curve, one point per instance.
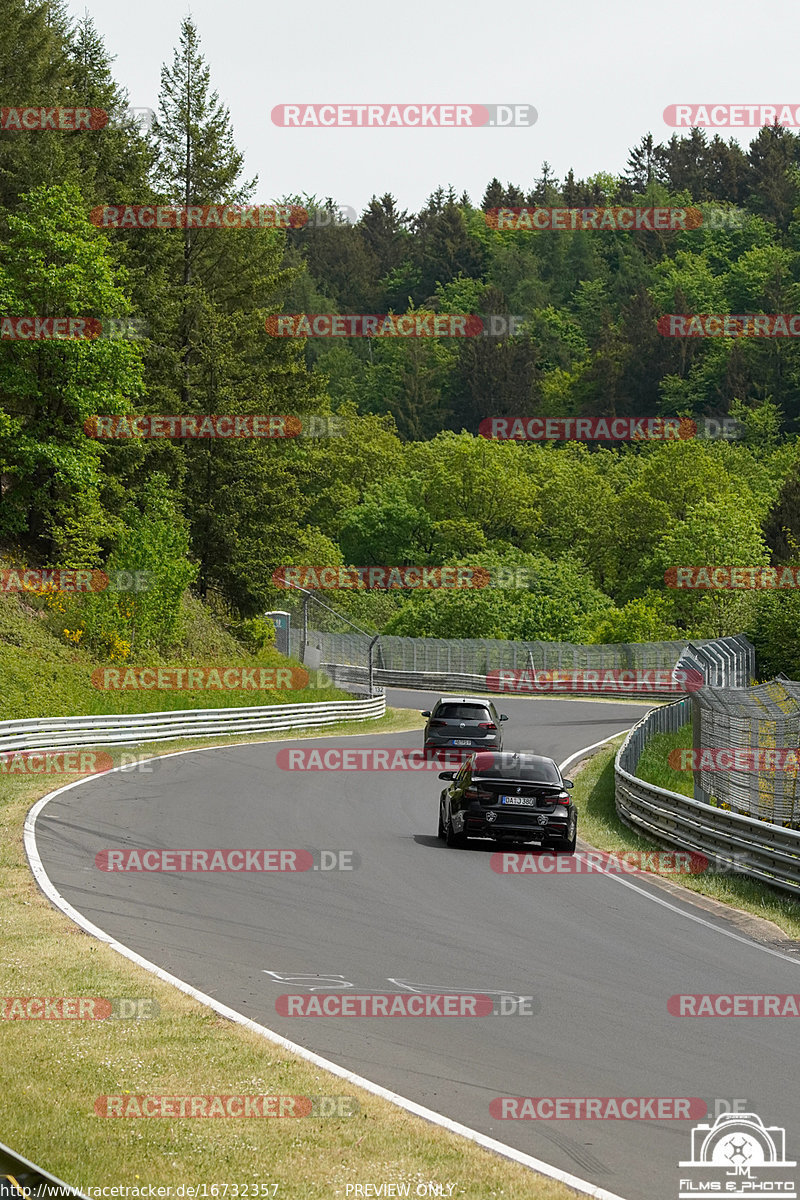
{"type": "Point", "coordinates": [600, 955]}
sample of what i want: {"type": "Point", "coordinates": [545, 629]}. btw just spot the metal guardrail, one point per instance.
{"type": "Point", "coordinates": [464, 664]}
{"type": "Point", "coordinates": [725, 662]}
{"type": "Point", "coordinates": [52, 733]}
{"type": "Point", "coordinates": [745, 845]}
{"type": "Point", "coordinates": [344, 675]}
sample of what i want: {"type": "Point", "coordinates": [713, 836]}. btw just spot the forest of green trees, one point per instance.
{"type": "Point", "coordinates": [409, 481]}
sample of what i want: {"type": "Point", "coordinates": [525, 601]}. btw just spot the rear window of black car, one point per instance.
{"type": "Point", "coordinates": [543, 772]}
{"type": "Point", "coordinates": [462, 712]}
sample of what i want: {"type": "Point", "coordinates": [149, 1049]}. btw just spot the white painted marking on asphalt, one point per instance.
{"type": "Point", "coordinates": [737, 937]}
{"type": "Point", "coordinates": [473, 1135]}
{"type": "Point", "coordinates": [427, 1114]}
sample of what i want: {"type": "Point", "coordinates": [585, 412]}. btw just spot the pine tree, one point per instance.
{"type": "Point", "coordinates": [643, 167]}
{"type": "Point", "coordinates": [112, 163]}
{"type": "Point", "coordinates": [545, 192]}
{"type": "Point", "coordinates": [773, 190]}
{"type": "Point", "coordinates": [215, 289]}
{"type": "Point", "coordinates": [35, 70]}
{"type": "Point", "coordinates": [727, 171]}
{"type": "Point", "coordinates": [782, 526]}
{"type": "Point", "coordinates": [384, 230]}
{"type": "Point", "coordinates": [686, 164]}
{"type": "Point", "coordinates": [493, 196]}
{"type": "Point", "coordinates": [444, 247]}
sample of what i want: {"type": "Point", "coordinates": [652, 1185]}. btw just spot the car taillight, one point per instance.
{"type": "Point", "coordinates": [478, 794]}
{"type": "Point", "coordinates": [438, 722]}
{"type": "Point", "coordinates": [563, 798]}
{"type": "Point", "coordinates": [487, 725]}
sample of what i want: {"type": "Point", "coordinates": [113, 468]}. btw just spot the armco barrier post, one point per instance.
{"type": "Point", "coordinates": [304, 639]}
{"type": "Point", "coordinates": [371, 684]}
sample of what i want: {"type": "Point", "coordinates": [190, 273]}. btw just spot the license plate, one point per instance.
{"type": "Point", "coordinates": [461, 742]}
{"type": "Point", "coordinates": [519, 801]}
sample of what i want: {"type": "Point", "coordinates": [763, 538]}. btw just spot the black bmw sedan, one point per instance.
{"type": "Point", "coordinates": [508, 798]}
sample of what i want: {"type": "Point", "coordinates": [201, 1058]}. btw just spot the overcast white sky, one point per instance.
{"type": "Point", "coordinates": [599, 75]}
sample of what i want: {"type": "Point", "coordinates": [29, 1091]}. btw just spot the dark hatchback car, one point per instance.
{"type": "Point", "coordinates": [509, 798]}
{"type": "Point", "coordinates": [466, 721]}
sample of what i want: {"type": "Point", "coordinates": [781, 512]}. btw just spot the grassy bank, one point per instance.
{"type": "Point", "coordinates": [600, 825]}
{"type": "Point", "coordinates": [654, 767]}
{"type": "Point", "coordinates": [45, 676]}
{"type": "Point", "coordinates": [52, 1071]}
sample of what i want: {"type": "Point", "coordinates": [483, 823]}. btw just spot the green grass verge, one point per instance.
{"type": "Point", "coordinates": [52, 1071]}
{"type": "Point", "coordinates": [44, 676]}
{"type": "Point", "coordinates": [653, 765]}
{"type": "Point", "coordinates": [600, 825]}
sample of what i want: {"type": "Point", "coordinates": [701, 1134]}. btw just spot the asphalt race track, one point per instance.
{"type": "Point", "coordinates": [601, 956]}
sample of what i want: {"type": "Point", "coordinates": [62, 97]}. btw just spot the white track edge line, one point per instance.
{"type": "Point", "coordinates": [543, 1168]}
{"type": "Point", "coordinates": [410, 1105]}
{"type": "Point", "coordinates": [481, 1139]}
{"type": "Point", "coordinates": [475, 1136]}
{"type": "Point", "coordinates": [649, 895]}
